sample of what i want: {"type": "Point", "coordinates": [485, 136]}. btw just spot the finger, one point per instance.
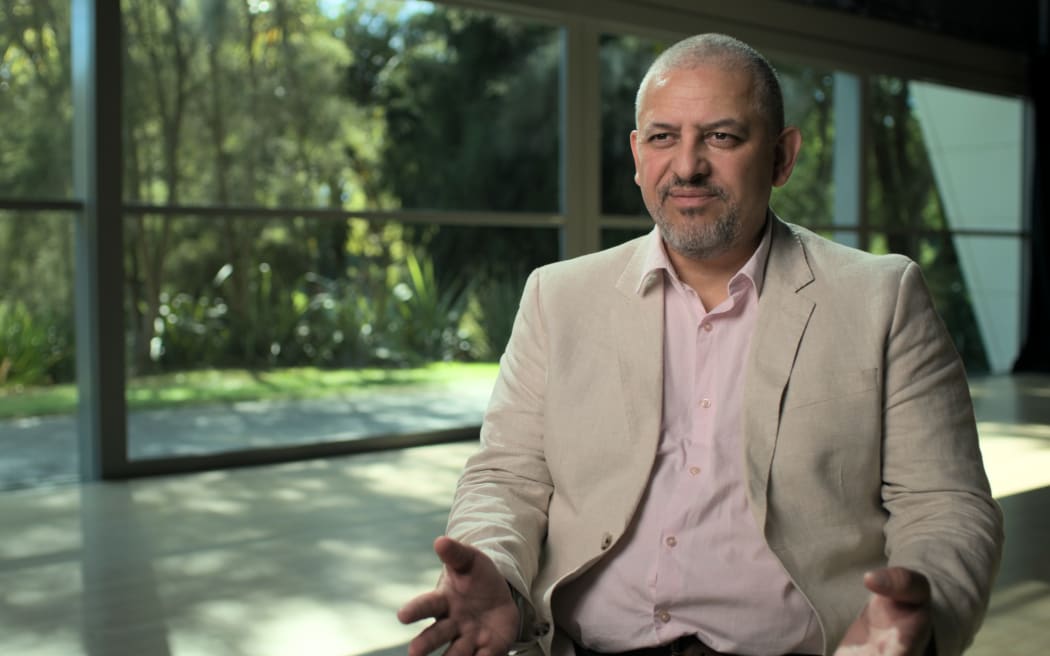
{"type": "Point", "coordinates": [462, 646]}
{"type": "Point", "coordinates": [429, 604]}
{"type": "Point", "coordinates": [899, 584]}
{"type": "Point", "coordinates": [439, 633]}
{"type": "Point", "coordinates": [457, 556]}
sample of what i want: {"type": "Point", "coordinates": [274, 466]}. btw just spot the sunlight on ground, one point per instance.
{"type": "Point", "coordinates": [1016, 456]}
{"type": "Point", "coordinates": [429, 475]}
{"type": "Point", "coordinates": [1016, 621]}
{"type": "Point", "coordinates": [312, 557]}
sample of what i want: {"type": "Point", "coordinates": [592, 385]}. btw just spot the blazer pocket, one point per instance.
{"type": "Point", "coordinates": [830, 386]}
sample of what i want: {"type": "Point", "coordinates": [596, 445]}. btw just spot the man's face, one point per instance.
{"type": "Point", "coordinates": [705, 160]}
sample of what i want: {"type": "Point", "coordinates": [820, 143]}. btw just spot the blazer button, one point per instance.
{"type": "Point", "coordinates": [606, 541]}
{"type": "Point", "coordinates": [541, 629]}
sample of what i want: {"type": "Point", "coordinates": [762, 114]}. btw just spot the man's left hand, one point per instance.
{"type": "Point", "coordinates": [897, 620]}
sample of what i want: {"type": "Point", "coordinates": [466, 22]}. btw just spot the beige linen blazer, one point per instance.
{"type": "Point", "coordinates": [859, 440]}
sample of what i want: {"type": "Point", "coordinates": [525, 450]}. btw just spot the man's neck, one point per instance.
{"type": "Point", "coordinates": [710, 277]}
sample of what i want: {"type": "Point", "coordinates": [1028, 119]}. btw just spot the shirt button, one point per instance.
{"type": "Point", "coordinates": [705, 403]}
{"type": "Point", "coordinates": [663, 616]}
{"type": "Point", "coordinates": [693, 471]}
{"type": "Point", "coordinates": [708, 327]}
{"type": "Point", "coordinates": [606, 541]}
{"type": "Point", "coordinates": [671, 541]}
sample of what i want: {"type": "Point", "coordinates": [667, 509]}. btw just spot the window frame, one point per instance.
{"type": "Point", "coordinates": [794, 32]}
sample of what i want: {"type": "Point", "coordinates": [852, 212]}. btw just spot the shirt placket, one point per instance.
{"type": "Point", "coordinates": [689, 482]}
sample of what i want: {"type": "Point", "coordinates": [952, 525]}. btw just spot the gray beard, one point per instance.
{"type": "Point", "coordinates": [698, 240]}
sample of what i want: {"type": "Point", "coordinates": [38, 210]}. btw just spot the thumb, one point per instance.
{"type": "Point", "coordinates": [899, 584]}
{"type": "Point", "coordinates": [456, 556]}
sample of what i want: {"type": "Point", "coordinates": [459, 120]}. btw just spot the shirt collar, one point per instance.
{"type": "Point", "coordinates": [657, 262]}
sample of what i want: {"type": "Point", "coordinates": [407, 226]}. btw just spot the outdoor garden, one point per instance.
{"type": "Point", "coordinates": [424, 112]}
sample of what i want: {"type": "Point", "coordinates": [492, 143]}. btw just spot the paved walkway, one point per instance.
{"type": "Point", "coordinates": [43, 450]}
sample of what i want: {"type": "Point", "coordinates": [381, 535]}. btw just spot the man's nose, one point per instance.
{"type": "Point", "coordinates": [691, 162]}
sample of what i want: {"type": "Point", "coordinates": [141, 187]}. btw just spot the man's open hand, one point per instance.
{"type": "Point", "coordinates": [897, 620]}
{"type": "Point", "coordinates": [472, 608]}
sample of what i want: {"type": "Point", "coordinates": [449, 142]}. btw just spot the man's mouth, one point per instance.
{"type": "Point", "coordinates": [692, 195]}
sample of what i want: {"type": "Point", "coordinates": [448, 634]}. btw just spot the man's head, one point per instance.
{"type": "Point", "coordinates": [733, 54]}
{"type": "Point", "coordinates": [710, 144]}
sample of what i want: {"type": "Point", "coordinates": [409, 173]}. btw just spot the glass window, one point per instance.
{"type": "Point", "coordinates": [35, 101]}
{"type": "Point", "coordinates": [809, 103]}
{"type": "Point", "coordinates": [275, 332]}
{"type": "Point", "coordinates": [624, 60]}
{"type": "Point", "coordinates": [38, 395]}
{"type": "Point", "coordinates": [355, 105]}
{"type": "Point", "coordinates": [949, 161]}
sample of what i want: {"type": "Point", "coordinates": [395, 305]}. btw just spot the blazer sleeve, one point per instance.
{"type": "Point", "coordinates": [943, 521]}
{"type": "Point", "coordinates": [501, 502]}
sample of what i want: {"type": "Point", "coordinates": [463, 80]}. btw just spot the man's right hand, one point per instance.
{"type": "Point", "coordinates": [472, 607]}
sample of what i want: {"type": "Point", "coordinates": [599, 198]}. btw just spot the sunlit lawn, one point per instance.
{"type": "Point", "coordinates": [226, 385]}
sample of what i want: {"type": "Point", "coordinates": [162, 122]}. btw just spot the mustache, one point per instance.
{"type": "Point", "coordinates": [693, 185]}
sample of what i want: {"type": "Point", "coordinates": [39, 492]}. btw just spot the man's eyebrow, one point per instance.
{"type": "Point", "coordinates": [659, 126]}
{"type": "Point", "coordinates": [723, 123]}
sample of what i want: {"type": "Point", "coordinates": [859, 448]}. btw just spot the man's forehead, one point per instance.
{"type": "Point", "coordinates": [676, 97]}
{"type": "Point", "coordinates": [713, 77]}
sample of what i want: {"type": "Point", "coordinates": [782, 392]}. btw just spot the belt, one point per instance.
{"type": "Point", "coordinates": [684, 646]}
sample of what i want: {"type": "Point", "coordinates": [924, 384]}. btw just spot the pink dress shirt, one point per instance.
{"type": "Point", "coordinates": [693, 562]}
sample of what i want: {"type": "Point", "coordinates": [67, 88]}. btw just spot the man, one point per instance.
{"type": "Point", "coordinates": [728, 436]}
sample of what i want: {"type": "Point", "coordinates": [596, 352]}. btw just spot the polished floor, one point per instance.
{"type": "Point", "coordinates": [313, 558]}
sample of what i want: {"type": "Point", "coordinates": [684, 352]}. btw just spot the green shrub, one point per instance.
{"type": "Point", "coordinates": [493, 308]}
{"type": "Point", "coordinates": [425, 320]}
{"type": "Point", "coordinates": [335, 326]}
{"type": "Point", "coordinates": [34, 350]}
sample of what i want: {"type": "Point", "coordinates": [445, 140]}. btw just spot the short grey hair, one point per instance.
{"type": "Point", "coordinates": [730, 54]}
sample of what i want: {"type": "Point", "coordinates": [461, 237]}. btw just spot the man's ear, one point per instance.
{"type": "Point", "coordinates": [634, 151]}
{"type": "Point", "coordinates": [785, 154]}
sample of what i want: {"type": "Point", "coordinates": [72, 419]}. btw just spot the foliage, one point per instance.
{"type": "Point", "coordinates": [32, 352]}
{"type": "Point", "coordinates": [334, 326]}
{"type": "Point", "coordinates": [375, 105]}
{"type": "Point", "coordinates": [494, 306]}
{"type": "Point", "coordinates": [624, 60]}
{"type": "Point", "coordinates": [426, 318]}
{"type": "Point", "coordinates": [808, 104]}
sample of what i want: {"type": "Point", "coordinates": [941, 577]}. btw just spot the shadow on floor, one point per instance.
{"type": "Point", "coordinates": [1027, 536]}
{"type": "Point", "coordinates": [396, 650]}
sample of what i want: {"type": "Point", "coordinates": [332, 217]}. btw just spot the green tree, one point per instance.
{"type": "Point", "coordinates": [36, 258]}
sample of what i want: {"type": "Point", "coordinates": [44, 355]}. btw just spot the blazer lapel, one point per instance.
{"type": "Point", "coordinates": [638, 324]}
{"type": "Point", "coordinates": [783, 314]}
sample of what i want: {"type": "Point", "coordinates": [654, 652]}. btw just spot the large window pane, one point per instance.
{"type": "Point", "coordinates": [809, 97]}
{"type": "Point", "coordinates": [974, 142]}
{"type": "Point", "coordinates": [944, 159]}
{"type": "Point", "coordinates": [267, 332]}
{"type": "Point", "coordinates": [37, 360]}
{"type": "Point", "coordinates": [36, 109]}
{"type": "Point", "coordinates": [353, 105]}
{"type": "Point", "coordinates": [624, 60]}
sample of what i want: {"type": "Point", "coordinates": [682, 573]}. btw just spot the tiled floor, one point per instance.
{"type": "Point", "coordinates": [313, 558]}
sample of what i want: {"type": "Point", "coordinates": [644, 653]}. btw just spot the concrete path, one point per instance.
{"type": "Point", "coordinates": [43, 450]}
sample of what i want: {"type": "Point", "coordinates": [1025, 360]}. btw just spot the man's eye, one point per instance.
{"type": "Point", "coordinates": [722, 138]}
{"type": "Point", "coordinates": [660, 136]}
